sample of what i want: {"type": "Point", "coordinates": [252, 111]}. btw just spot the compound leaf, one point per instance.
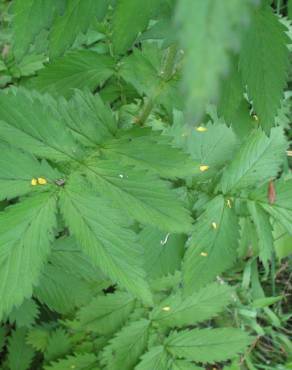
{"type": "Point", "coordinates": [26, 231]}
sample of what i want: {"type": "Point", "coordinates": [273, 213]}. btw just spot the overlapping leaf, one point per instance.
{"type": "Point", "coordinates": [198, 307]}
{"type": "Point", "coordinates": [207, 345]}
{"type": "Point", "coordinates": [258, 160]}
{"type": "Point", "coordinates": [263, 63]}
{"type": "Point", "coordinates": [26, 234]}
{"type": "Point", "coordinates": [127, 346]}
{"type": "Point", "coordinates": [80, 69]}
{"type": "Point", "coordinates": [213, 245]}
{"type": "Point", "coordinates": [98, 228]}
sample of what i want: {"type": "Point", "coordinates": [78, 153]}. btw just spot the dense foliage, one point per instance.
{"type": "Point", "coordinates": [145, 184]}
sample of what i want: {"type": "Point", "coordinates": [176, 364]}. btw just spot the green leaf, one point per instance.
{"type": "Point", "coordinates": [58, 345]}
{"type": "Point", "coordinates": [20, 354]}
{"type": "Point", "coordinates": [155, 359]}
{"type": "Point", "coordinates": [264, 63]}
{"type": "Point", "coordinates": [77, 18]}
{"type": "Point", "coordinates": [106, 314]}
{"type": "Point", "coordinates": [184, 365]}
{"type": "Point", "coordinates": [200, 306]}
{"type": "Point", "coordinates": [80, 69]}
{"type": "Point", "coordinates": [89, 119]}
{"type": "Point", "coordinates": [25, 315]}
{"type": "Point", "coordinates": [78, 361]}
{"type": "Point", "coordinates": [26, 124]}
{"type": "Point", "coordinates": [258, 160]}
{"type": "Point", "coordinates": [267, 301]}
{"type": "Point", "coordinates": [127, 346]}
{"type": "Point", "coordinates": [207, 30]}
{"type": "Point", "coordinates": [67, 280]}
{"type": "Point", "coordinates": [129, 190]}
{"type": "Point", "coordinates": [38, 338]}
{"type": "Point", "coordinates": [212, 147]}
{"type": "Point", "coordinates": [264, 232]}
{"type": "Point", "coordinates": [130, 17]}
{"type": "Point", "coordinates": [207, 345]}
{"type": "Point", "coordinates": [281, 209]}
{"type": "Point", "coordinates": [26, 231]}
{"type": "Point", "coordinates": [29, 18]}
{"type": "Point", "coordinates": [17, 171]}
{"type": "Point", "coordinates": [163, 252]}
{"type": "Point", "coordinates": [153, 153]}
{"type": "Point", "coordinates": [282, 241]}
{"type": "Point", "coordinates": [102, 236]}
{"type": "Point", "coordinates": [213, 245]}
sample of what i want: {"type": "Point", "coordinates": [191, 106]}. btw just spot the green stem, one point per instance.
{"type": "Point", "coordinates": [166, 74]}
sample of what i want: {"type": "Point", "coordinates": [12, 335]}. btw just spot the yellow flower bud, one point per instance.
{"type": "Point", "coordinates": [34, 182]}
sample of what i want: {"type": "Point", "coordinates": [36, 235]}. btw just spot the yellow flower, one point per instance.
{"type": "Point", "coordinates": [34, 182]}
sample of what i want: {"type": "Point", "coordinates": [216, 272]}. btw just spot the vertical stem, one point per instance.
{"type": "Point", "coordinates": [166, 74]}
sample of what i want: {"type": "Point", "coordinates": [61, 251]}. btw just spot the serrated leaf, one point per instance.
{"type": "Point", "coordinates": [26, 124]}
{"type": "Point", "coordinates": [102, 236]}
{"type": "Point", "coordinates": [163, 252]}
{"type": "Point", "coordinates": [281, 209]}
{"type": "Point", "coordinates": [212, 147]}
{"type": "Point", "coordinates": [24, 315]}
{"type": "Point", "coordinates": [208, 30]}
{"type": "Point", "coordinates": [200, 306]}
{"type": "Point", "coordinates": [80, 69]}
{"type": "Point", "coordinates": [89, 119]}
{"type": "Point", "coordinates": [258, 160]}
{"type": "Point", "coordinates": [128, 20]}
{"type": "Point", "coordinates": [58, 345]}
{"type": "Point", "coordinates": [17, 171]}
{"type": "Point", "coordinates": [38, 338]}
{"type": "Point", "coordinates": [155, 359]}
{"type": "Point", "coordinates": [207, 345]}
{"type": "Point", "coordinates": [63, 288]}
{"type": "Point", "coordinates": [26, 231]}
{"type": "Point", "coordinates": [20, 354]}
{"type": "Point", "coordinates": [78, 17]}
{"type": "Point", "coordinates": [29, 18]}
{"type": "Point", "coordinates": [129, 190]}
{"type": "Point", "coordinates": [127, 346]}
{"type": "Point", "coordinates": [212, 248]}
{"type": "Point", "coordinates": [106, 314]}
{"type": "Point", "coordinates": [184, 365]}
{"type": "Point", "coordinates": [263, 63]}
{"type": "Point", "coordinates": [78, 361]}
{"type": "Point", "coordinates": [149, 152]}
{"type": "Point", "coordinates": [264, 232]}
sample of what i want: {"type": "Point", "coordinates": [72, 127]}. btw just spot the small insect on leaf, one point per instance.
{"type": "Point", "coordinates": [60, 182]}
{"type": "Point", "coordinates": [271, 192]}
{"type": "Point", "coordinates": [204, 254]}
{"type": "Point", "coordinates": [34, 182]}
{"type": "Point", "coordinates": [42, 181]}
{"type": "Point", "coordinates": [166, 308]}
{"type": "Point", "coordinates": [204, 168]}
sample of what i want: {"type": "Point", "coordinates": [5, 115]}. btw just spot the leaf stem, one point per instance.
{"type": "Point", "coordinates": [166, 74]}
